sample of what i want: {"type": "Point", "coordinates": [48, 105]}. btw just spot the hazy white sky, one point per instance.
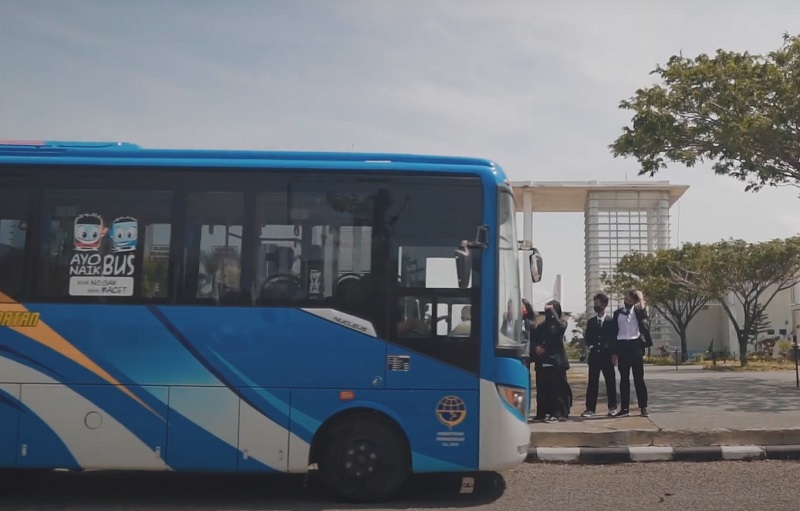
{"type": "Point", "coordinates": [533, 86]}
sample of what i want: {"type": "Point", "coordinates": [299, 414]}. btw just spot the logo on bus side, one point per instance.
{"type": "Point", "coordinates": [451, 411]}
{"type": "Point", "coordinates": [350, 324]}
{"type": "Point", "coordinates": [15, 319]}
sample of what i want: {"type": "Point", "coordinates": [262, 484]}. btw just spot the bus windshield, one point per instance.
{"type": "Point", "coordinates": [508, 288]}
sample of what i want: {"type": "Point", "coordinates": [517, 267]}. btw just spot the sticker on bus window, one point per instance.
{"type": "Point", "coordinates": [103, 262]}
{"type": "Point", "coordinates": [315, 283]}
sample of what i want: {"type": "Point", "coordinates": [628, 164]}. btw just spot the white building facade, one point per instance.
{"type": "Point", "coordinates": [713, 324]}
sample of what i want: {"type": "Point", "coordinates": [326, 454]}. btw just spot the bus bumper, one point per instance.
{"type": "Point", "coordinates": [504, 435]}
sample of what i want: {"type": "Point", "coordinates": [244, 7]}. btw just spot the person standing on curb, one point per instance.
{"type": "Point", "coordinates": [550, 356]}
{"type": "Point", "coordinates": [599, 341]}
{"type": "Point", "coordinates": [631, 336]}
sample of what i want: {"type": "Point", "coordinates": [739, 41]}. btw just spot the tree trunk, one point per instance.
{"type": "Point", "coordinates": [742, 349]}
{"type": "Point", "coordinates": [684, 346]}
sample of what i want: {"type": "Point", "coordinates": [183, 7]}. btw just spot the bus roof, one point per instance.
{"type": "Point", "coordinates": [123, 153]}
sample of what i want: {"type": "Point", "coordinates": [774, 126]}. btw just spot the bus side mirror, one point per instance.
{"type": "Point", "coordinates": [464, 265]}
{"type": "Point", "coordinates": [535, 261]}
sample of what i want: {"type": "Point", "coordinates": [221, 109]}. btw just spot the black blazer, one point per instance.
{"type": "Point", "coordinates": [599, 339]}
{"type": "Point", "coordinates": [550, 336]}
{"type": "Point", "coordinates": [641, 318]}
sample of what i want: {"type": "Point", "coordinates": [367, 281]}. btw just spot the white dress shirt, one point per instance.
{"type": "Point", "coordinates": [628, 326]}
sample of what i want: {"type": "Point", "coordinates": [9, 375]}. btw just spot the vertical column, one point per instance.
{"type": "Point", "coordinates": [591, 249]}
{"type": "Point", "coordinates": [653, 238]}
{"type": "Point", "coordinates": [663, 223]}
{"type": "Point", "coordinates": [527, 235]}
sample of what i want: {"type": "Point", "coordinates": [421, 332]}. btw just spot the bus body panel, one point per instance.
{"type": "Point", "coordinates": [96, 438]}
{"type": "Point", "coordinates": [413, 370]}
{"type": "Point", "coordinates": [10, 409]}
{"type": "Point", "coordinates": [504, 437]}
{"type": "Point", "coordinates": [216, 410]}
{"type": "Point", "coordinates": [180, 380]}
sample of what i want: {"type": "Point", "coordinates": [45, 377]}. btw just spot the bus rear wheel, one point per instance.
{"type": "Point", "coordinates": [365, 460]}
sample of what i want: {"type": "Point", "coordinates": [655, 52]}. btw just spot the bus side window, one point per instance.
{"type": "Point", "coordinates": [455, 319]}
{"type": "Point", "coordinates": [13, 239]}
{"type": "Point", "coordinates": [105, 245]}
{"type": "Point", "coordinates": [214, 247]}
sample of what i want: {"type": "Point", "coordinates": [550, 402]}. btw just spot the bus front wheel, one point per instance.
{"type": "Point", "coordinates": [365, 460]}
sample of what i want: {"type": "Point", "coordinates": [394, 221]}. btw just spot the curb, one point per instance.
{"type": "Point", "coordinates": [624, 438]}
{"type": "Point", "coordinates": [609, 455]}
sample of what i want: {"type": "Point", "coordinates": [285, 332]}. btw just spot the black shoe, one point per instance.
{"type": "Point", "coordinates": [623, 413]}
{"type": "Point", "coordinates": [645, 413]}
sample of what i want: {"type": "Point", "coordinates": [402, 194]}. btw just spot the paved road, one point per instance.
{"type": "Point", "coordinates": [728, 486]}
{"type": "Point", "coordinates": [694, 398]}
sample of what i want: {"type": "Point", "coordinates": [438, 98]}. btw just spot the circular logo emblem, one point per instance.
{"type": "Point", "coordinates": [451, 411]}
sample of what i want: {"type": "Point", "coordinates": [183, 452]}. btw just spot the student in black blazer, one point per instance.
{"type": "Point", "coordinates": [553, 393]}
{"type": "Point", "coordinates": [631, 336]}
{"type": "Point", "coordinates": [599, 342]}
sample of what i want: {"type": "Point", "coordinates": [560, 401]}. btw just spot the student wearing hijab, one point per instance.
{"type": "Point", "coordinates": [553, 394]}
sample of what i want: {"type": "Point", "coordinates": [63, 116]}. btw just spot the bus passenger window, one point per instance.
{"type": "Point", "coordinates": [460, 320]}
{"type": "Point", "coordinates": [13, 236]}
{"type": "Point", "coordinates": [105, 244]}
{"type": "Point", "coordinates": [214, 245]}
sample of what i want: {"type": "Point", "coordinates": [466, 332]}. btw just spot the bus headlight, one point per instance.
{"type": "Point", "coordinates": [514, 397]}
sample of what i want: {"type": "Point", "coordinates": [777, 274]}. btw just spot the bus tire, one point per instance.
{"type": "Point", "coordinates": [365, 459]}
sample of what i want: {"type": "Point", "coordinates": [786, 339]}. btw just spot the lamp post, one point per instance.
{"type": "Point", "coordinates": [796, 362]}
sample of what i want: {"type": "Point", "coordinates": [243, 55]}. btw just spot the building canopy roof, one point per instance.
{"type": "Point", "coordinates": [570, 196]}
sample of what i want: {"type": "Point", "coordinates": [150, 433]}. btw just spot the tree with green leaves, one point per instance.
{"type": "Point", "coordinates": [751, 273]}
{"type": "Point", "coordinates": [579, 332]}
{"type": "Point", "coordinates": [739, 110]}
{"type": "Point", "coordinates": [661, 276]}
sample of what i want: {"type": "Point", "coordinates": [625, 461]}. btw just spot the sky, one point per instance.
{"type": "Point", "coordinates": [534, 86]}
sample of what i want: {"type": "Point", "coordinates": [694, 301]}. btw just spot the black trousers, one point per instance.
{"type": "Point", "coordinates": [601, 363]}
{"type": "Point", "coordinates": [630, 360]}
{"type": "Point", "coordinates": [552, 392]}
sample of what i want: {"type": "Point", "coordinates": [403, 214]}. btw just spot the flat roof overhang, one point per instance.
{"type": "Point", "coordinates": [570, 196]}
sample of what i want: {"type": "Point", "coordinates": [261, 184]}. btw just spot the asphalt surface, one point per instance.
{"type": "Point", "coordinates": [728, 486]}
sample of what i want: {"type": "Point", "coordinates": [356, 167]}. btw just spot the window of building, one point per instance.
{"type": "Point", "coordinates": [105, 244]}
{"type": "Point", "coordinates": [13, 242]}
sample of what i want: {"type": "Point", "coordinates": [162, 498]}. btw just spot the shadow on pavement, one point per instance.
{"type": "Point", "coordinates": [169, 490]}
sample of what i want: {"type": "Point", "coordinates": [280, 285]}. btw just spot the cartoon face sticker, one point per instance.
{"type": "Point", "coordinates": [124, 234]}
{"type": "Point", "coordinates": [88, 232]}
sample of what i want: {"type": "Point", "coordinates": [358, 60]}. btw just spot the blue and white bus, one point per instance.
{"type": "Point", "coordinates": [198, 310]}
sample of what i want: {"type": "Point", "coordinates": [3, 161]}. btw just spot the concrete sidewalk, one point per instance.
{"type": "Point", "coordinates": [690, 407]}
